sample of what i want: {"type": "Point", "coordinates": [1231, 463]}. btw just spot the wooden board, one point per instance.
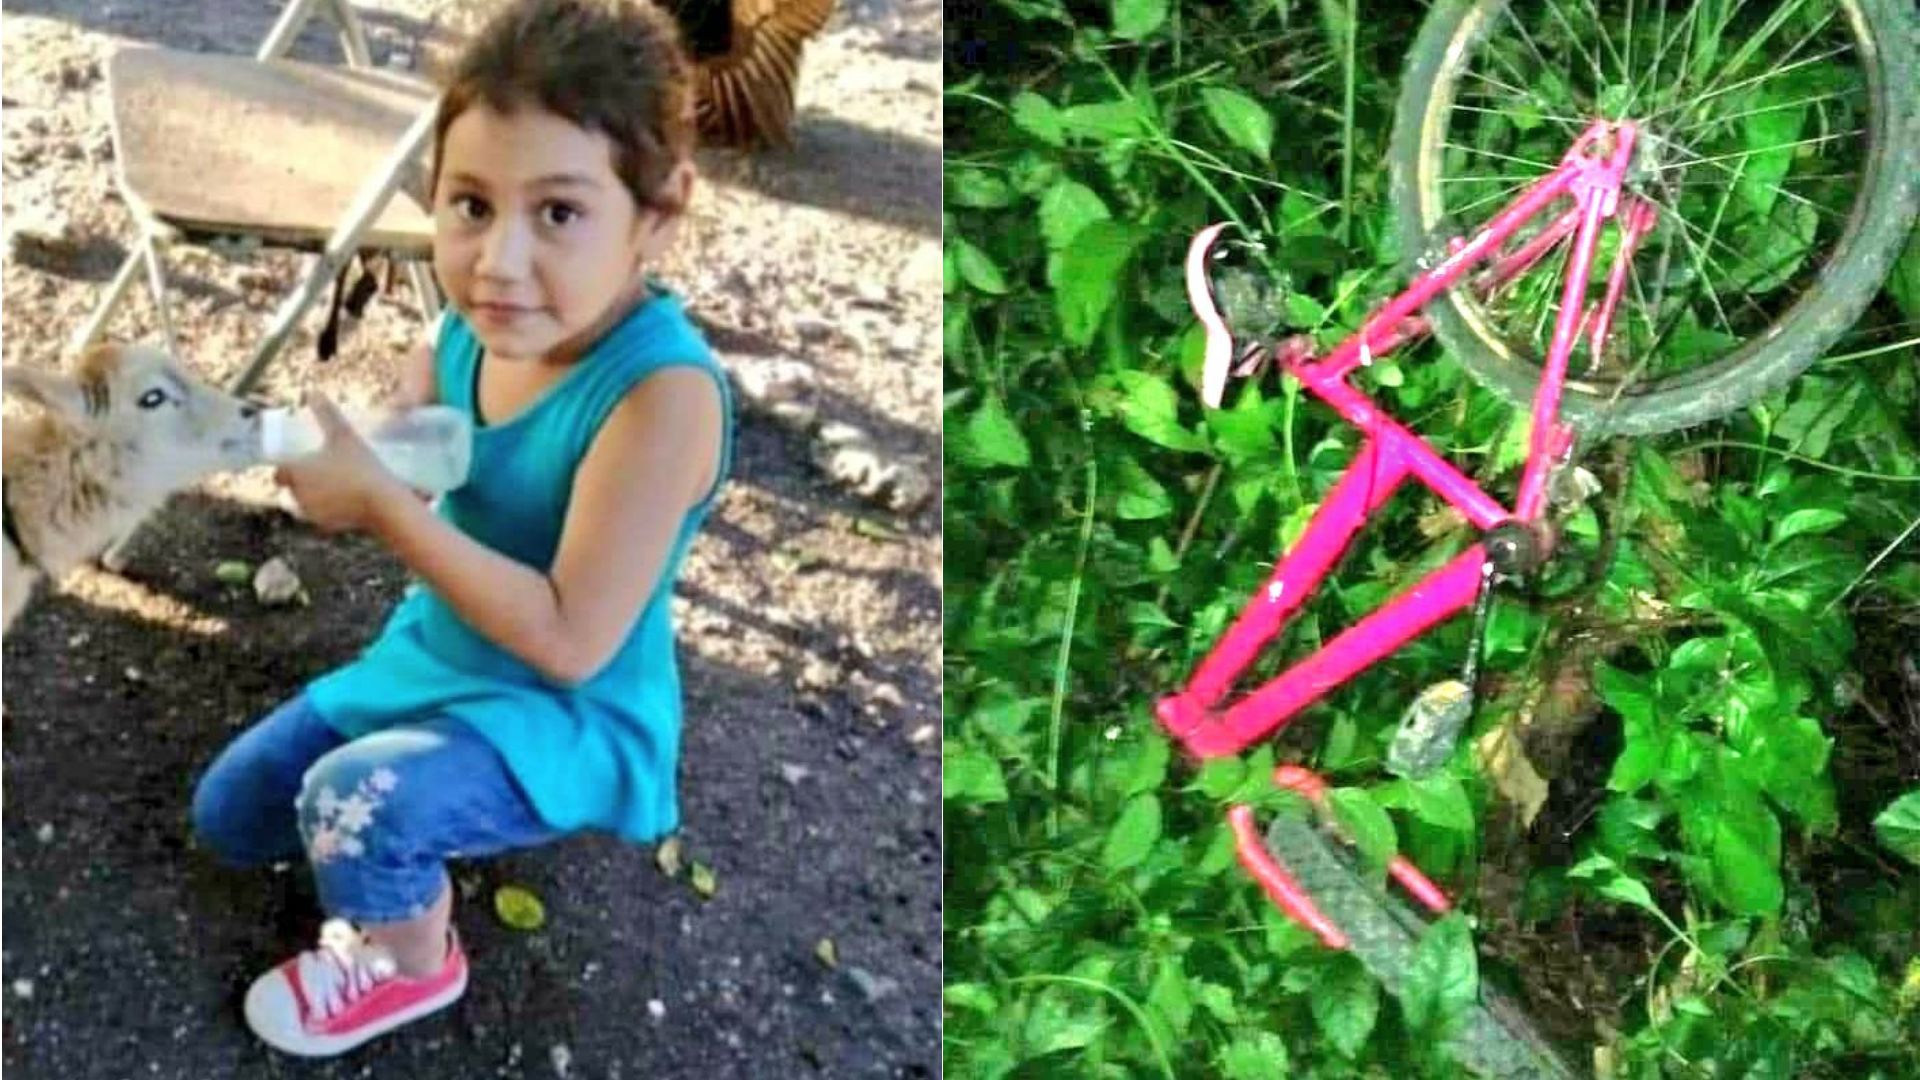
{"type": "Point", "coordinates": [217, 144]}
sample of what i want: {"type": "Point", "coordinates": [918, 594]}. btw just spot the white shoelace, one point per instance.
{"type": "Point", "coordinates": [345, 966]}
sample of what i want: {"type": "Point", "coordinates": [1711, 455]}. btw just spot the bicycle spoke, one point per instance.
{"type": "Point", "coordinates": [1788, 192]}
{"type": "Point", "coordinates": [1509, 189]}
{"type": "Point", "coordinates": [1765, 149]}
{"type": "Point", "coordinates": [1533, 47]}
{"type": "Point", "coordinates": [1730, 117]}
{"type": "Point", "coordinates": [1543, 166]}
{"type": "Point", "coordinates": [1513, 91]}
{"type": "Point", "coordinates": [1606, 39]}
{"type": "Point", "coordinates": [1696, 100]}
{"type": "Point", "coordinates": [1767, 29]}
{"type": "Point", "coordinates": [1653, 73]}
{"type": "Point", "coordinates": [1593, 58]}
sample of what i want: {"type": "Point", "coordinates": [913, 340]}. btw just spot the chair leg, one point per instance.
{"type": "Point", "coordinates": [292, 19]}
{"type": "Point", "coordinates": [426, 291]}
{"type": "Point", "coordinates": [157, 282]}
{"type": "Point", "coordinates": [89, 332]}
{"type": "Point", "coordinates": [353, 36]}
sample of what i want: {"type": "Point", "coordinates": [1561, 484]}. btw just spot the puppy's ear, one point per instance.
{"type": "Point", "coordinates": [51, 390]}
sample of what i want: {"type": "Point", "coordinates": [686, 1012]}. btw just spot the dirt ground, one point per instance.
{"type": "Point", "coordinates": [809, 615]}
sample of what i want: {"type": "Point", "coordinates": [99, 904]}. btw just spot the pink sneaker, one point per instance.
{"type": "Point", "coordinates": [331, 999]}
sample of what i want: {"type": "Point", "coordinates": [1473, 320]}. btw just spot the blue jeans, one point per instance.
{"type": "Point", "coordinates": [375, 817]}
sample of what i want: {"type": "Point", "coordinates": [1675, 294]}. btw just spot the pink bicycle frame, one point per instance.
{"type": "Point", "coordinates": [1591, 174]}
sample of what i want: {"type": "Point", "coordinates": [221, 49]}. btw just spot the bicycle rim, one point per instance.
{"type": "Point", "coordinates": [1768, 129]}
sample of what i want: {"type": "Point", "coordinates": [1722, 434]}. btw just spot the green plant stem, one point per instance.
{"type": "Point", "coordinates": [1132, 1007]}
{"type": "Point", "coordinates": [1857, 474]}
{"type": "Point", "coordinates": [1061, 670]}
{"type": "Point", "coordinates": [1346, 157]}
{"type": "Point", "coordinates": [1877, 560]}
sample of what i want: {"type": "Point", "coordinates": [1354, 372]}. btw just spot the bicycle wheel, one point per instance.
{"type": "Point", "coordinates": [1495, 1042]}
{"type": "Point", "coordinates": [1779, 144]}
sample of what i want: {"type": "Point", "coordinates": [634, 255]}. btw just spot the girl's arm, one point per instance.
{"type": "Point", "coordinates": [653, 459]}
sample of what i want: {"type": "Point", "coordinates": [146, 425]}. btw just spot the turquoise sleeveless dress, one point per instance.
{"type": "Point", "coordinates": [603, 754]}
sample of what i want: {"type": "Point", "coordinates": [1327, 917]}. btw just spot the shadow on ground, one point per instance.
{"type": "Point", "coordinates": [134, 947]}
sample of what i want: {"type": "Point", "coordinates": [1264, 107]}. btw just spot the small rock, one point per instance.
{"type": "Point", "coordinates": [134, 674]}
{"type": "Point", "coordinates": [873, 987]}
{"type": "Point", "coordinates": [812, 328]}
{"type": "Point", "coordinates": [873, 294]}
{"type": "Point", "coordinates": [23, 989]}
{"type": "Point", "coordinates": [888, 695]}
{"type": "Point", "coordinates": [275, 583]}
{"type": "Point", "coordinates": [793, 774]}
{"type": "Point", "coordinates": [922, 734]}
{"type": "Point", "coordinates": [562, 1060]}
{"type": "Point", "coordinates": [905, 342]}
{"type": "Point", "coordinates": [818, 674]}
{"type": "Point", "coordinates": [656, 1008]}
{"type": "Point", "coordinates": [44, 833]}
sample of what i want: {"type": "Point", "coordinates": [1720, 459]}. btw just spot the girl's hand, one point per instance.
{"type": "Point", "coordinates": [343, 487]}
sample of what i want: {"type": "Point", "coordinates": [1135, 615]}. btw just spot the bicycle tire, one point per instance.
{"type": "Point", "coordinates": [1495, 1040]}
{"type": "Point", "coordinates": [1860, 262]}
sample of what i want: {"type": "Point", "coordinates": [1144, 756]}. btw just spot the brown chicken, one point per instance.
{"type": "Point", "coordinates": [746, 57]}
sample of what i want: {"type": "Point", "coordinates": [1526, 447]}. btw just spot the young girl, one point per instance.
{"type": "Point", "coordinates": [527, 688]}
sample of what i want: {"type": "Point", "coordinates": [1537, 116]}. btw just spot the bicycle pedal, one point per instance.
{"type": "Point", "coordinates": [1570, 486]}
{"type": "Point", "coordinates": [1429, 729]}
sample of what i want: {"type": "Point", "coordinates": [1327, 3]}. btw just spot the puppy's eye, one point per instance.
{"type": "Point", "coordinates": [153, 399]}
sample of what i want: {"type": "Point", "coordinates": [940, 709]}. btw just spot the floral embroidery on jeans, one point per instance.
{"type": "Point", "coordinates": [341, 821]}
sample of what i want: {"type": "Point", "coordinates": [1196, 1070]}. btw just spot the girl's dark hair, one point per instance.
{"type": "Point", "coordinates": [612, 66]}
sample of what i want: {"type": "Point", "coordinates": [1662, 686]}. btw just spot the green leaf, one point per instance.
{"type": "Point", "coordinates": [519, 908]}
{"type": "Point", "coordinates": [1256, 1056]}
{"type": "Point", "coordinates": [1904, 284]}
{"type": "Point", "coordinates": [1241, 119]}
{"type": "Point", "coordinates": [1169, 996]}
{"type": "Point", "coordinates": [1089, 274]}
{"type": "Point", "coordinates": [1217, 1000]}
{"type": "Point", "coordinates": [1066, 208]}
{"type": "Point", "coordinates": [702, 878]}
{"type": "Point", "coordinates": [1133, 835]}
{"type": "Point", "coordinates": [1142, 498]}
{"type": "Point", "coordinates": [1135, 19]}
{"type": "Point", "coordinates": [1345, 1004]}
{"type": "Point", "coordinates": [1441, 801]}
{"type": "Point", "coordinates": [1443, 980]}
{"type": "Point", "coordinates": [977, 268]}
{"type": "Point", "coordinates": [969, 774]}
{"type": "Point", "coordinates": [1371, 828]}
{"type": "Point", "coordinates": [1149, 768]}
{"type": "Point", "coordinates": [1038, 117]}
{"type": "Point", "coordinates": [1629, 890]}
{"type": "Point", "coordinates": [233, 572]}
{"type": "Point", "coordinates": [1746, 862]}
{"type": "Point", "coordinates": [1800, 522]}
{"type": "Point", "coordinates": [993, 439]}
{"type": "Point", "coordinates": [970, 995]}
{"type": "Point", "coordinates": [1055, 1024]}
{"type": "Point", "coordinates": [1221, 777]}
{"type": "Point", "coordinates": [977, 189]}
{"type": "Point", "coordinates": [1898, 826]}
{"type": "Point", "coordinates": [1151, 411]}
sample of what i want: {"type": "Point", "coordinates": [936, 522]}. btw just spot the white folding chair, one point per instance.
{"type": "Point", "coordinates": [272, 152]}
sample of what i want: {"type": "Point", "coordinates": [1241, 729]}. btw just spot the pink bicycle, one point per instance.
{"type": "Point", "coordinates": [1714, 224]}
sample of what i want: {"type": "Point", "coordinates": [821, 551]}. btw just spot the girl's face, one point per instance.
{"type": "Point", "coordinates": [536, 240]}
